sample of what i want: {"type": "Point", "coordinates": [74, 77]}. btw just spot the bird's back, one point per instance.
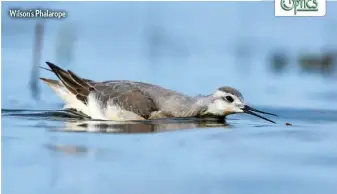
{"type": "Point", "coordinates": [163, 98]}
{"type": "Point", "coordinates": [97, 98]}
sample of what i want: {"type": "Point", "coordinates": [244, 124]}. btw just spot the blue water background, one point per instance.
{"type": "Point", "coordinates": [192, 47]}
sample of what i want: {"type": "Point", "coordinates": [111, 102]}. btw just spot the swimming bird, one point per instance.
{"type": "Point", "coordinates": [123, 100]}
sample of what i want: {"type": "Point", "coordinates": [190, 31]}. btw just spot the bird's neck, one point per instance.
{"type": "Point", "coordinates": [187, 106]}
{"type": "Point", "coordinates": [201, 103]}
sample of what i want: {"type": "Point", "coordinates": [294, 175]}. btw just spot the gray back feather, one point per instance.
{"type": "Point", "coordinates": [143, 98]}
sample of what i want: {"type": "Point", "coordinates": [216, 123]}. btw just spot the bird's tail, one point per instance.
{"type": "Point", "coordinates": [68, 88]}
{"type": "Point", "coordinates": [52, 82]}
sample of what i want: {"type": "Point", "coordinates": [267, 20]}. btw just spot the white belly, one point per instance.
{"type": "Point", "coordinates": [97, 110]}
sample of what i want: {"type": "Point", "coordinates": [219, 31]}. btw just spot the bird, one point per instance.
{"type": "Point", "coordinates": [125, 100]}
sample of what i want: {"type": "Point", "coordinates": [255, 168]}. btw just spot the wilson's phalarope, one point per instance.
{"type": "Point", "coordinates": [131, 100]}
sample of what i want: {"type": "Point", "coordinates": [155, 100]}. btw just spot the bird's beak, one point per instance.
{"type": "Point", "coordinates": [249, 110]}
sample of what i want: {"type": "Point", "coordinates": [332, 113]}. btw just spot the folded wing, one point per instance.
{"type": "Point", "coordinates": [123, 94]}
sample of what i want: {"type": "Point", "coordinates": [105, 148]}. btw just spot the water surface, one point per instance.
{"type": "Point", "coordinates": [67, 155]}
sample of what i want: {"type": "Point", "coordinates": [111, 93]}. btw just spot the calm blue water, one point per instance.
{"type": "Point", "coordinates": [190, 47]}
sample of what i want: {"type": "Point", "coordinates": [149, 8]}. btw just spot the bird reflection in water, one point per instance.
{"type": "Point", "coordinates": [136, 127]}
{"type": "Point", "coordinates": [107, 154]}
{"type": "Point", "coordinates": [160, 125]}
{"type": "Point", "coordinates": [68, 149]}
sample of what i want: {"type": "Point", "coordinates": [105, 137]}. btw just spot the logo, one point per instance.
{"type": "Point", "coordinates": [300, 7]}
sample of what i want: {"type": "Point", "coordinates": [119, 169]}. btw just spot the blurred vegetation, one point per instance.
{"type": "Point", "coordinates": [279, 61]}
{"type": "Point", "coordinates": [314, 63]}
{"type": "Point", "coordinates": [318, 63]}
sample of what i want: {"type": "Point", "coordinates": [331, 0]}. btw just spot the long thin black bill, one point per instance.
{"type": "Point", "coordinates": [254, 114]}
{"type": "Point", "coordinates": [253, 109]}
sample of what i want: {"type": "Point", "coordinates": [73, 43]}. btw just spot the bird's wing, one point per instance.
{"type": "Point", "coordinates": [127, 96]}
{"type": "Point", "coordinates": [122, 93]}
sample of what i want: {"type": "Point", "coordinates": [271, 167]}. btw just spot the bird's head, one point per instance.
{"type": "Point", "coordinates": [227, 100]}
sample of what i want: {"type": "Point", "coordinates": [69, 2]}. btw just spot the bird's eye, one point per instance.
{"type": "Point", "coordinates": [229, 99]}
